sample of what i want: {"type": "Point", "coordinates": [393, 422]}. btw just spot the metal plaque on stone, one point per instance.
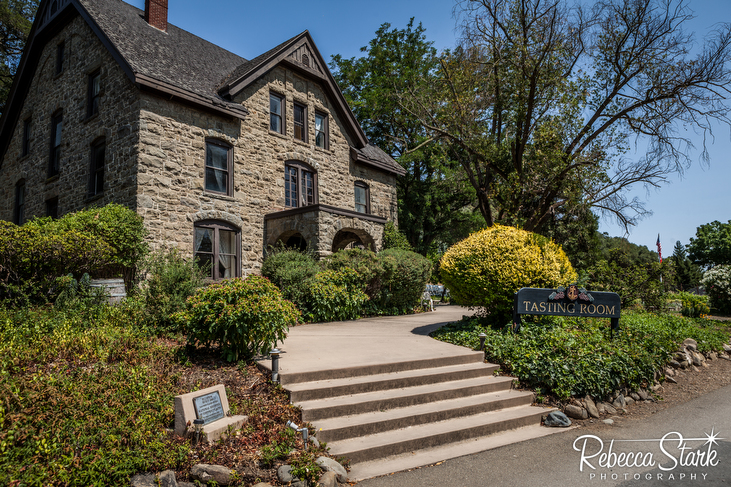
{"type": "Point", "coordinates": [209, 407]}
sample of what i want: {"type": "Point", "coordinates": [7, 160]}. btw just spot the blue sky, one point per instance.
{"type": "Point", "coordinates": [247, 28]}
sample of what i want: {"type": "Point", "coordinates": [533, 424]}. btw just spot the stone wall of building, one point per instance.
{"type": "Point", "coordinates": [336, 172]}
{"type": "Point", "coordinates": [68, 91]}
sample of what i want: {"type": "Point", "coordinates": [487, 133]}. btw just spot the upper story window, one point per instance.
{"type": "Point", "coordinates": [276, 113]}
{"type": "Point", "coordinates": [26, 138]}
{"type": "Point", "coordinates": [92, 102]}
{"type": "Point", "coordinates": [218, 246]}
{"type": "Point", "coordinates": [19, 210]}
{"type": "Point", "coordinates": [60, 55]}
{"type": "Point", "coordinates": [300, 185]}
{"type": "Point", "coordinates": [321, 136]}
{"type": "Point", "coordinates": [362, 197]}
{"type": "Point", "coordinates": [300, 122]}
{"type": "Point", "coordinates": [219, 167]}
{"type": "Point", "coordinates": [52, 207]}
{"type": "Point", "coordinates": [54, 158]}
{"type": "Point", "coordinates": [96, 168]}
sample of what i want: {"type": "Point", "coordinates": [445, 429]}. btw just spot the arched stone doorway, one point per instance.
{"type": "Point", "coordinates": [352, 237]}
{"type": "Point", "coordinates": [292, 240]}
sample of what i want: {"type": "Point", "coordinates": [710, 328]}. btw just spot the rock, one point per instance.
{"type": "Point", "coordinates": [656, 388]}
{"type": "Point", "coordinates": [204, 472]}
{"type": "Point", "coordinates": [328, 479]}
{"type": "Point", "coordinates": [680, 356]}
{"type": "Point", "coordinates": [669, 372]}
{"type": "Point", "coordinates": [314, 442]}
{"type": "Point", "coordinates": [167, 479]}
{"type": "Point", "coordinates": [671, 380]}
{"type": "Point", "coordinates": [690, 344]}
{"type": "Point", "coordinates": [591, 407]}
{"type": "Point", "coordinates": [610, 409]}
{"type": "Point", "coordinates": [712, 356]}
{"type": "Point", "coordinates": [191, 484]}
{"type": "Point", "coordinates": [694, 368]}
{"type": "Point", "coordinates": [726, 347]}
{"type": "Point", "coordinates": [557, 418]}
{"type": "Point", "coordinates": [576, 412]}
{"type": "Point", "coordinates": [620, 402]}
{"type": "Point", "coordinates": [675, 364]}
{"type": "Point", "coordinates": [143, 480]}
{"type": "Point", "coordinates": [600, 408]}
{"type": "Point", "coordinates": [284, 473]}
{"type": "Point", "coordinates": [698, 359]}
{"type": "Point", "coordinates": [685, 364]}
{"type": "Point", "coordinates": [262, 484]}
{"type": "Point", "coordinates": [629, 401]}
{"type": "Point", "coordinates": [724, 356]}
{"type": "Point", "coordinates": [608, 421]}
{"type": "Point", "coordinates": [643, 394]}
{"type": "Point", "coordinates": [635, 396]}
{"type": "Point", "coordinates": [330, 465]}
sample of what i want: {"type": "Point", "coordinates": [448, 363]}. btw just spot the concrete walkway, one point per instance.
{"type": "Point", "coordinates": [325, 347]}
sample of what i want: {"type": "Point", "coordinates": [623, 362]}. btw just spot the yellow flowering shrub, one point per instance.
{"type": "Point", "coordinates": [489, 266]}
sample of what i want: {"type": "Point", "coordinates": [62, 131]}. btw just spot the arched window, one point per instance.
{"type": "Point", "coordinates": [300, 184]}
{"type": "Point", "coordinates": [362, 197]}
{"type": "Point", "coordinates": [217, 245]}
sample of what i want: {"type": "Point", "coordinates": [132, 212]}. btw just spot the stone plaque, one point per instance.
{"type": "Point", "coordinates": [209, 407]}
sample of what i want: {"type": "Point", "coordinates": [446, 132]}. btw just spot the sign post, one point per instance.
{"type": "Point", "coordinates": [566, 301]}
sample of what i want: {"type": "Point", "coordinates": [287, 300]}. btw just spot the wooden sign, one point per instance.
{"type": "Point", "coordinates": [566, 301]}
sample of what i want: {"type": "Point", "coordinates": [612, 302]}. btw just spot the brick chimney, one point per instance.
{"type": "Point", "coordinates": [156, 14]}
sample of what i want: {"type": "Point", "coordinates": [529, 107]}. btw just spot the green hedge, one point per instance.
{"type": "Point", "coordinates": [291, 270]}
{"type": "Point", "coordinates": [573, 357]}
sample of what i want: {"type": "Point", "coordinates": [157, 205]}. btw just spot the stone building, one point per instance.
{"type": "Point", "coordinates": [222, 156]}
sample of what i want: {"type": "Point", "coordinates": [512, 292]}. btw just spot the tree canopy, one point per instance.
{"type": "Point", "coordinates": [16, 18]}
{"type": "Point", "coordinates": [436, 202]}
{"type": "Point", "coordinates": [711, 245]}
{"type": "Point", "coordinates": [542, 102]}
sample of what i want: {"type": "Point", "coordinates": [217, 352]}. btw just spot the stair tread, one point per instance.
{"type": "Point", "coordinates": [429, 456]}
{"type": "Point", "coordinates": [415, 410]}
{"type": "Point", "coordinates": [343, 447]}
{"type": "Point", "coordinates": [365, 379]}
{"type": "Point", "coordinates": [401, 392]}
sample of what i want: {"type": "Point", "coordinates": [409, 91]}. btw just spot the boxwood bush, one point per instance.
{"type": "Point", "coordinates": [405, 276]}
{"type": "Point", "coordinates": [244, 316]}
{"type": "Point", "coordinates": [335, 295]}
{"type": "Point", "coordinates": [489, 266]}
{"type": "Point", "coordinates": [290, 270]}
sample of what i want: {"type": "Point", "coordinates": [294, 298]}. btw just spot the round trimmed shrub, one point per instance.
{"type": "Point", "coordinates": [488, 267]}
{"type": "Point", "coordinates": [245, 317]}
{"type": "Point", "coordinates": [364, 262]}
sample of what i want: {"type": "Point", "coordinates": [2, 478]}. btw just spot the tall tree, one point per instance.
{"type": "Point", "coordinates": [711, 245]}
{"type": "Point", "coordinates": [16, 18]}
{"type": "Point", "coordinates": [436, 202]}
{"type": "Point", "coordinates": [545, 100]}
{"type": "Point", "coordinates": [687, 274]}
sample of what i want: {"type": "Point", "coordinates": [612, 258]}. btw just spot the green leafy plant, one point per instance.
{"type": "Point", "coordinates": [717, 282]}
{"type": "Point", "coordinates": [170, 279]}
{"type": "Point", "coordinates": [305, 467]}
{"type": "Point", "coordinates": [693, 305]}
{"type": "Point", "coordinates": [290, 270]}
{"type": "Point", "coordinates": [335, 295]}
{"type": "Point", "coordinates": [244, 317]}
{"type": "Point", "coordinates": [406, 274]}
{"type": "Point", "coordinates": [576, 356]}
{"type": "Point", "coordinates": [394, 239]}
{"type": "Point", "coordinates": [366, 263]}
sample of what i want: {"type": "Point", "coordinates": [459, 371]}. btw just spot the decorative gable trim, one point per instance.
{"type": "Point", "coordinates": [292, 54]}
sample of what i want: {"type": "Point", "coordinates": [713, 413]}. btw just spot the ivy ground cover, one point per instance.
{"type": "Point", "coordinates": [576, 356]}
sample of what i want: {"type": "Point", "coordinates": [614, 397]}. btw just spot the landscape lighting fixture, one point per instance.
{"type": "Point", "coordinates": [482, 341]}
{"type": "Point", "coordinates": [303, 430]}
{"type": "Point", "coordinates": [275, 364]}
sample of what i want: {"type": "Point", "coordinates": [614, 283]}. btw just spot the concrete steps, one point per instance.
{"type": "Point", "coordinates": [392, 416]}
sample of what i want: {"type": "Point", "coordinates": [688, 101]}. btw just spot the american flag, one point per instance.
{"type": "Point", "coordinates": [659, 248]}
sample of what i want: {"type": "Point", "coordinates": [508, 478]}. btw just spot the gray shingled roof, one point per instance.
{"type": "Point", "coordinates": [375, 153]}
{"type": "Point", "coordinates": [175, 57]}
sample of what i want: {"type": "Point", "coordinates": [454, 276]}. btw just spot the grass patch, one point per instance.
{"type": "Point", "coordinates": [88, 400]}
{"type": "Point", "coordinates": [576, 356]}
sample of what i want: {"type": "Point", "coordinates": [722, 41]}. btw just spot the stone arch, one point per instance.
{"type": "Point", "coordinates": [218, 215]}
{"type": "Point", "coordinates": [292, 239]}
{"type": "Point", "coordinates": [356, 236]}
